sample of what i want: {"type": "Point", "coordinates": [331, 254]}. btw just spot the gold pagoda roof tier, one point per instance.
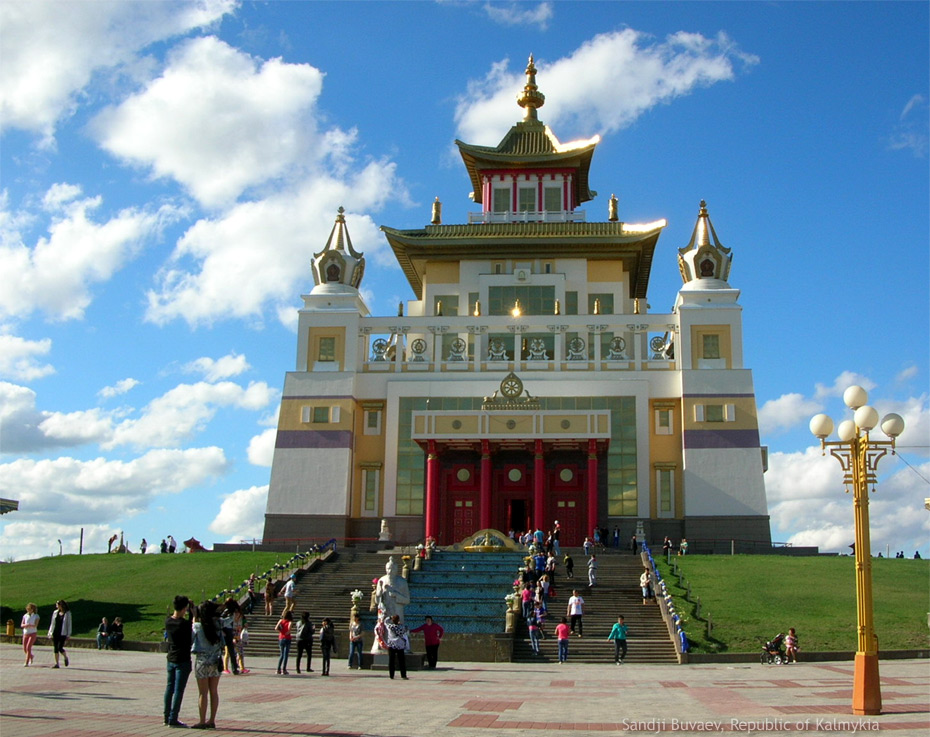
{"type": "Point", "coordinates": [530, 144]}
{"type": "Point", "coordinates": [633, 244]}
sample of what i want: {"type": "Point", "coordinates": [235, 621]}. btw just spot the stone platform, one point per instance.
{"type": "Point", "coordinates": [107, 694]}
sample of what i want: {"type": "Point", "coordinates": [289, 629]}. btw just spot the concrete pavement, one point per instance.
{"type": "Point", "coordinates": [115, 693]}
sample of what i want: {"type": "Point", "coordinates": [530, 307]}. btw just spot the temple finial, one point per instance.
{"type": "Point", "coordinates": [531, 98]}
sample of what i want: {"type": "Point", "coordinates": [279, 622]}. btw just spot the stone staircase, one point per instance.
{"type": "Point", "coordinates": [617, 592]}
{"type": "Point", "coordinates": [322, 593]}
{"type": "Point", "coordinates": [465, 592]}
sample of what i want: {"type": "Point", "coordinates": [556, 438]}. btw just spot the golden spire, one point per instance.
{"type": "Point", "coordinates": [531, 98]}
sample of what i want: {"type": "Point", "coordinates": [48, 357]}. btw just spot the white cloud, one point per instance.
{"type": "Point", "coordinates": [185, 410]}
{"type": "Point", "coordinates": [218, 121]}
{"type": "Point", "coordinates": [97, 491]}
{"type": "Point", "coordinates": [242, 514]}
{"type": "Point", "coordinates": [58, 497]}
{"type": "Point", "coordinates": [225, 268]}
{"type": "Point", "coordinates": [520, 14]}
{"type": "Point", "coordinates": [19, 422]}
{"type": "Point", "coordinates": [51, 50]}
{"type": "Point", "coordinates": [166, 421]}
{"type": "Point", "coordinates": [842, 383]}
{"type": "Point", "coordinates": [120, 387]}
{"type": "Point", "coordinates": [232, 364]}
{"type": "Point", "coordinates": [604, 85]}
{"type": "Point", "coordinates": [57, 274]}
{"type": "Point", "coordinates": [24, 540]}
{"type": "Point", "coordinates": [911, 131]}
{"type": "Point", "coordinates": [261, 448]}
{"type": "Point", "coordinates": [786, 412]}
{"type": "Point", "coordinates": [18, 357]}
{"type": "Point", "coordinates": [906, 374]}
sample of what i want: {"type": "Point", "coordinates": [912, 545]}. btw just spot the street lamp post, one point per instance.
{"type": "Point", "coordinates": [859, 455]}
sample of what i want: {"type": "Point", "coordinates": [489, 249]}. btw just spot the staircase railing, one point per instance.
{"type": "Point", "coordinates": [667, 607]}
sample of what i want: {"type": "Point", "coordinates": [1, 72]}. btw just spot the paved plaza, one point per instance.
{"type": "Point", "coordinates": [107, 693]}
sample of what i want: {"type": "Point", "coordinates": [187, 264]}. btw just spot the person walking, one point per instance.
{"type": "Point", "coordinates": [526, 600]}
{"type": "Point", "coordinates": [532, 624]}
{"type": "Point", "coordinates": [178, 637]}
{"type": "Point", "coordinates": [269, 597]}
{"type": "Point", "coordinates": [592, 571]}
{"type": "Point", "coordinates": [569, 564]}
{"type": "Point", "coordinates": [397, 645]}
{"type": "Point", "coordinates": [355, 641]}
{"type": "Point", "coordinates": [645, 583]}
{"type": "Point", "coordinates": [227, 623]}
{"type": "Point", "coordinates": [60, 630]}
{"type": "Point", "coordinates": [305, 631]}
{"type": "Point", "coordinates": [576, 612]}
{"type": "Point", "coordinates": [283, 628]}
{"type": "Point", "coordinates": [587, 546]}
{"type": "Point", "coordinates": [634, 545]}
{"type": "Point", "coordinates": [327, 643]}
{"type": "Point", "coordinates": [618, 634]}
{"type": "Point", "coordinates": [251, 586]}
{"type": "Point", "coordinates": [172, 544]}
{"type": "Point", "coordinates": [562, 633]}
{"type": "Point", "coordinates": [30, 627]}
{"type": "Point", "coordinates": [289, 592]}
{"type": "Point", "coordinates": [207, 645]}
{"type": "Point", "coordinates": [432, 636]}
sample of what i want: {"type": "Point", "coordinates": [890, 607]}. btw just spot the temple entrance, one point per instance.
{"type": "Point", "coordinates": [567, 496]}
{"type": "Point", "coordinates": [459, 482]}
{"type": "Point", "coordinates": [518, 515]}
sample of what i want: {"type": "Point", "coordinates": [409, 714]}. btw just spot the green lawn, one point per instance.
{"type": "Point", "coordinates": [138, 588]}
{"type": "Point", "coordinates": [750, 597]}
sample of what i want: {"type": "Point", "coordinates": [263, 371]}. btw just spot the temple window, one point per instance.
{"type": "Point", "coordinates": [526, 199]}
{"type": "Point", "coordinates": [501, 200]}
{"type": "Point", "coordinates": [326, 349]}
{"type": "Point", "coordinates": [553, 199]}
{"type": "Point", "coordinates": [606, 301]}
{"type": "Point", "coordinates": [534, 300]}
{"type": "Point", "coordinates": [710, 345]}
{"type": "Point", "coordinates": [450, 304]}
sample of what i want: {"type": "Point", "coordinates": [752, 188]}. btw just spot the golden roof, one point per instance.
{"type": "Point", "coordinates": [634, 245]}
{"type": "Point", "coordinates": [530, 144]}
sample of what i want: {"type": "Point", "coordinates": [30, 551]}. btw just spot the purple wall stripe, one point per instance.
{"type": "Point", "coordinates": [314, 439]}
{"type": "Point", "coordinates": [721, 439]}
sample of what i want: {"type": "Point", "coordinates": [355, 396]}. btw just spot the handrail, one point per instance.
{"type": "Point", "coordinates": [667, 608]}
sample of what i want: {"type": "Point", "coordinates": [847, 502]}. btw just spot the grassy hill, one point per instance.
{"type": "Point", "coordinates": [138, 588]}
{"type": "Point", "coordinates": [750, 597]}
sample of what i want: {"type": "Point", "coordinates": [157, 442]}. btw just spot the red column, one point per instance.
{"type": "Point", "coordinates": [484, 501]}
{"type": "Point", "coordinates": [539, 487]}
{"type": "Point", "coordinates": [592, 486]}
{"type": "Point", "coordinates": [432, 490]}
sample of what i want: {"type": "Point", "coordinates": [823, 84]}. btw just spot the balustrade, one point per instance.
{"type": "Point", "coordinates": [532, 343]}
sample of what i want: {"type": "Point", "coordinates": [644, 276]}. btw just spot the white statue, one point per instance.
{"type": "Point", "coordinates": [391, 593]}
{"type": "Point", "coordinates": [385, 534]}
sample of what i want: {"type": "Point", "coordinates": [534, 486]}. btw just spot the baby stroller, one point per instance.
{"type": "Point", "coordinates": [773, 651]}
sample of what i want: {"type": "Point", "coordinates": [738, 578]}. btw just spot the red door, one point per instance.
{"type": "Point", "coordinates": [464, 518]}
{"type": "Point", "coordinates": [569, 502]}
{"type": "Point", "coordinates": [459, 487]}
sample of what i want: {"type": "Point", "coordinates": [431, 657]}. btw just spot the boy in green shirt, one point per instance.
{"type": "Point", "coordinates": [618, 635]}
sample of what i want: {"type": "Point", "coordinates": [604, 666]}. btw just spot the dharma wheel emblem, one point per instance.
{"type": "Point", "coordinates": [511, 386]}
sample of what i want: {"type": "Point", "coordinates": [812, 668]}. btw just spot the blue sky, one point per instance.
{"type": "Point", "coordinates": [168, 169]}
